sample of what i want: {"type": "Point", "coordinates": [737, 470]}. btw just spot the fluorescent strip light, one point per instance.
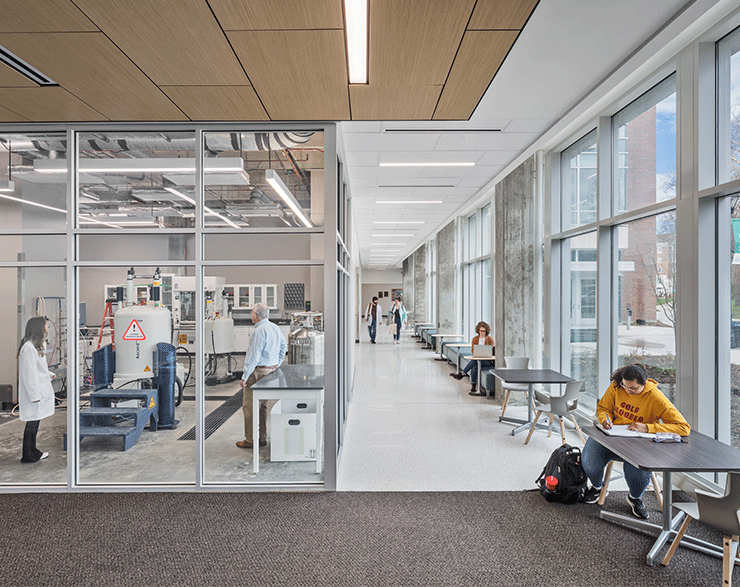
{"type": "Point", "coordinates": [398, 222]}
{"type": "Point", "coordinates": [282, 190]}
{"type": "Point", "coordinates": [206, 209]}
{"type": "Point", "coordinates": [390, 235]}
{"type": "Point", "coordinates": [146, 165]}
{"type": "Point", "coordinates": [437, 164]}
{"type": "Point", "coordinates": [456, 131]}
{"type": "Point", "coordinates": [408, 201]}
{"type": "Point", "coordinates": [7, 186]}
{"type": "Point", "coordinates": [30, 203]}
{"type": "Point", "coordinates": [90, 220]}
{"type": "Point", "coordinates": [355, 12]}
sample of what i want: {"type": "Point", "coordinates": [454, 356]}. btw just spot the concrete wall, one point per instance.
{"type": "Point", "coordinates": [420, 280]}
{"type": "Point", "coordinates": [446, 279]}
{"type": "Point", "coordinates": [408, 285]}
{"type": "Point", "coordinates": [515, 330]}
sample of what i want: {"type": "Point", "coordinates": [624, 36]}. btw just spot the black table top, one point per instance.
{"type": "Point", "coordinates": [293, 377]}
{"type": "Point", "coordinates": [701, 454]}
{"type": "Point", "coordinates": [531, 376]}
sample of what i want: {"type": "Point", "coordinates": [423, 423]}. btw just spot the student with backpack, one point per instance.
{"type": "Point", "coordinates": [636, 401]}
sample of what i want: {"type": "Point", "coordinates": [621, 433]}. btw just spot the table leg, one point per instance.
{"type": "Point", "coordinates": [255, 433]}
{"type": "Point", "coordinates": [319, 428]}
{"type": "Point", "coordinates": [439, 342]}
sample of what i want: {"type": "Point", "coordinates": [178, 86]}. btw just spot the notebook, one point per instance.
{"type": "Point", "coordinates": [621, 430]}
{"type": "Point", "coordinates": [483, 350]}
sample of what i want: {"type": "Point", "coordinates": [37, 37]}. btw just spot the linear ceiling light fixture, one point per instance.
{"type": "Point", "coordinates": [430, 164]}
{"type": "Point", "coordinates": [391, 235]}
{"type": "Point", "coordinates": [356, 19]}
{"type": "Point", "coordinates": [206, 209]}
{"type": "Point", "coordinates": [442, 130]}
{"type": "Point", "coordinates": [30, 203]}
{"type": "Point", "coordinates": [398, 222]}
{"type": "Point", "coordinates": [16, 63]}
{"type": "Point", "coordinates": [408, 201]}
{"type": "Point", "coordinates": [282, 190]}
{"type": "Point", "coordinates": [144, 165]}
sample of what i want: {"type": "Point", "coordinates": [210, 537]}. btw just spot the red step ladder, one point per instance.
{"type": "Point", "coordinates": [107, 315]}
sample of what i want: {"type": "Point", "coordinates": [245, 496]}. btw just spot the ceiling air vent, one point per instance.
{"type": "Point", "coordinates": [16, 63]}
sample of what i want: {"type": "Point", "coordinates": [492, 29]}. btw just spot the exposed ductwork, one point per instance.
{"type": "Point", "coordinates": [214, 142]}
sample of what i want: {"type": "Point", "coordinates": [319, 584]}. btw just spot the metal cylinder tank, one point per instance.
{"type": "Point", "coordinates": [306, 346]}
{"type": "Point", "coordinates": [138, 330]}
{"type": "Point", "coordinates": [219, 336]}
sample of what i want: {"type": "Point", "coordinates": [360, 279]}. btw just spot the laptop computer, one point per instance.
{"type": "Point", "coordinates": [483, 350]}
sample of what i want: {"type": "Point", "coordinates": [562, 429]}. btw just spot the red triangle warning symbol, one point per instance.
{"type": "Point", "coordinates": [134, 332]}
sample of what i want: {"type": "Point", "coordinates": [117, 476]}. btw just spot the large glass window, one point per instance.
{"type": "Point", "coordinates": [646, 277]}
{"type": "Point", "coordinates": [578, 178]}
{"type": "Point", "coordinates": [579, 324]}
{"type": "Point", "coordinates": [645, 149]}
{"type": "Point", "coordinates": [728, 107]}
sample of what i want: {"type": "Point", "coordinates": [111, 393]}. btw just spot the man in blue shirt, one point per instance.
{"type": "Point", "coordinates": [266, 351]}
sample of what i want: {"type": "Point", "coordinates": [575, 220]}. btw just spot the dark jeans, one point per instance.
{"type": "Point", "coordinates": [30, 453]}
{"type": "Point", "coordinates": [373, 328]}
{"type": "Point", "coordinates": [595, 458]}
{"type": "Point", "coordinates": [472, 366]}
{"type": "Point", "coordinates": [397, 322]}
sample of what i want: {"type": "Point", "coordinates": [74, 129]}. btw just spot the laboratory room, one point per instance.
{"type": "Point", "coordinates": [186, 287]}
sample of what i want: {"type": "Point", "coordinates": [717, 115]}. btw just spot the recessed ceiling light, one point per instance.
{"type": "Point", "coordinates": [408, 201]}
{"type": "Point", "coordinates": [355, 13]}
{"type": "Point", "coordinates": [432, 164]}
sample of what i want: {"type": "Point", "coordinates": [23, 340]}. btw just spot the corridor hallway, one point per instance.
{"type": "Point", "coordinates": [412, 427]}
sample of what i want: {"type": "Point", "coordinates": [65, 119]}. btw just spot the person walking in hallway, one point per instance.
{"type": "Point", "coordinates": [265, 352]}
{"type": "Point", "coordinates": [373, 314]}
{"type": "Point", "coordinates": [397, 315]}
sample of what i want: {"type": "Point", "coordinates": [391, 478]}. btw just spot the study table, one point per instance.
{"type": "Point", "coordinates": [440, 338]}
{"type": "Point", "coordinates": [418, 325]}
{"type": "Point", "coordinates": [491, 358]}
{"type": "Point", "coordinates": [294, 382]}
{"type": "Point", "coordinates": [422, 330]}
{"type": "Point", "coordinates": [701, 454]}
{"type": "Point", "coordinates": [529, 377]}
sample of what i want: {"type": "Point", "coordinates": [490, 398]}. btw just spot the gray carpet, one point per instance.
{"type": "Point", "coordinates": [310, 539]}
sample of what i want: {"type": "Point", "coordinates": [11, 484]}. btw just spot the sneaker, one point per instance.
{"type": "Point", "coordinates": [592, 495]}
{"type": "Point", "coordinates": [456, 375]}
{"type": "Point", "coordinates": [638, 508]}
{"type": "Point", "coordinates": [43, 455]}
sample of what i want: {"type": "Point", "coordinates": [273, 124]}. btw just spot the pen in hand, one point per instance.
{"type": "Point", "coordinates": [608, 423]}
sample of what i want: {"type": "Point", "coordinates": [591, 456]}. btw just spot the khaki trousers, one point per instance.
{"type": "Point", "coordinates": [257, 374]}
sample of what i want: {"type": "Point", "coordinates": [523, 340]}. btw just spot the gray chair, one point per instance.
{"type": "Point", "coordinates": [558, 406]}
{"type": "Point", "coordinates": [513, 363]}
{"type": "Point", "coordinates": [720, 512]}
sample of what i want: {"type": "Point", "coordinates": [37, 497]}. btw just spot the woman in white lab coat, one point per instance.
{"type": "Point", "coordinates": [35, 392]}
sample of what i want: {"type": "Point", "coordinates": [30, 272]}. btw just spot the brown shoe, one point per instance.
{"type": "Point", "coordinates": [247, 444]}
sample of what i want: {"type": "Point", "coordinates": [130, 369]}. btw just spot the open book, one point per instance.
{"type": "Point", "coordinates": [621, 430]}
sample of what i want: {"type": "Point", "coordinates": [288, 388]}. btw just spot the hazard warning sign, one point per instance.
{"type": "Point", "coordinates": [134, 332]}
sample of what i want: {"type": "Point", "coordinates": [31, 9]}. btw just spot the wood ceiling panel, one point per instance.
{"type": "Point", "coordinates": [217, 102]}
{"type": "Point", "coordinates": [393, 103]}
{"type": "Point", "coordinates": [413, 43]}
{"type": "Point", "coordinates": [481, 54]}
{"type": "Point", "coordinates": [92, 68]}
{"type": "Point", "coordinates": [47, 104]}
{"type": "Point", "coordinates": [42, 17]}
{"type": "Point", "coordinates": [298, 75]}
{"type": "Point", "coordinates": [175, 43]}
{"type": "Point", "coordinates": [238, 15]}
{"type": "Point", "coordinates": [10, 78]}
{"type": "Point", "coordinates": [8, 115]}
{"type": "Point", "coordinates": [501, 14]}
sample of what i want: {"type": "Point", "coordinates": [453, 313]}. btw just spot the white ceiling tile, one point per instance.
{"type": "Point", "coordinates": [431, 157]}
{"type": "Point", "coordinates": [360, 158]}
{"type": "Point", "coordinates": [389, 142]}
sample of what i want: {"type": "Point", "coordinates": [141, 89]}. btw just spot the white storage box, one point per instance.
{"type": "Point", "coordinates": [293, 431]}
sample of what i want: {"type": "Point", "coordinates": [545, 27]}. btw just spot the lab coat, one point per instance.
{"type": "Point", "coordinates": [369, 313]}
{"type": "Point", "coordinates": [35, 392]}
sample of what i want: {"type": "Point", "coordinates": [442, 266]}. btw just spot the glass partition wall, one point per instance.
{"type": "Point", "coordinates": [147, 250]}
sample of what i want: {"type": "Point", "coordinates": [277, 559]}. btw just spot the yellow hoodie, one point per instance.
{"type": "Point", "coordinates": [651, 407]}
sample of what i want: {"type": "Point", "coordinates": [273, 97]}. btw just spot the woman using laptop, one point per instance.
{"type": "Point", "coordinates": [483, 336]}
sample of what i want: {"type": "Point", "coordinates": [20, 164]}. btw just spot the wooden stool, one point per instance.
{"type": "Point", "coordinates": [607, 477]}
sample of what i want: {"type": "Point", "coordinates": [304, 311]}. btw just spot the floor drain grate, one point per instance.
{"type": "Point", "coordinates": [217, 417]}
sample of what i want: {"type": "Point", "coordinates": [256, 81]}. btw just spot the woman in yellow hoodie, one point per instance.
{"type": "Point", "coordinates": [636, 401]}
